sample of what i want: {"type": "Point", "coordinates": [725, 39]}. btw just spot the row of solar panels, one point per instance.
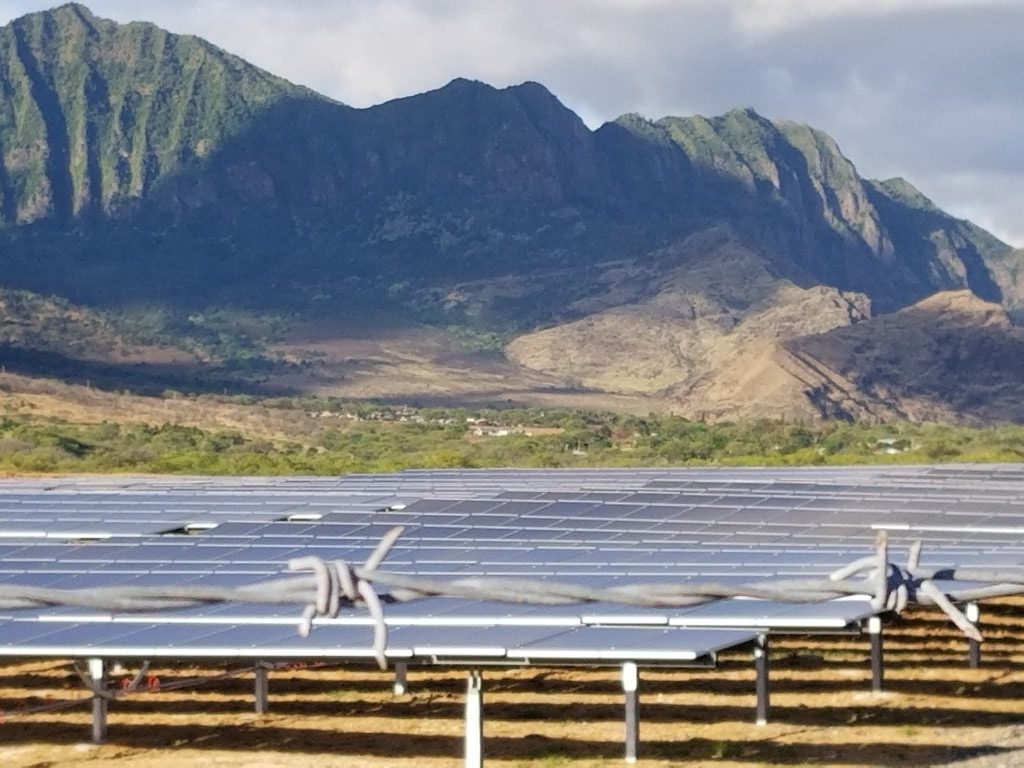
{"type": "Point", "coordinates": [496, 537]}
{"type": "Point", "coordinates": [832, 615]}
{"type": "Point", "coordinates": [271, 553]}
{"type": "Point", "coordinates": [598, 528]}
{"type": "Point", "coordinates": [989, 476]}
{"type": "Point", "coordinates": [268, 642]}
{"type": "Point", "coordinates": [268, 502]}
{"type": "Point", "coordinates": [673, 515]}
{"type": "Point", "coordinates": [362, 491]}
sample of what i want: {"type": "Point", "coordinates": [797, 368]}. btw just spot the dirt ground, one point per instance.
{"type": "Point", "coordinates": [935, 711]}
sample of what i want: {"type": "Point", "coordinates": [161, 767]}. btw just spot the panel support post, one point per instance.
{"type": "Point", "coordinates": [877, 654]}
{"type": "Point", "coordinates": [761, 679]}
{"type": "Point", "coordinates": [631, 685]}
{"type": "Point", "coordinates": [474, 746]}
{"type": "Point", "coordinates": [401, 686]}
{"type": "Point", "coordinates": [973, 614]}
{"type": "Point", "coordinates": [262, 689]}
{"type": "Point", "coordinates": [98, 676]}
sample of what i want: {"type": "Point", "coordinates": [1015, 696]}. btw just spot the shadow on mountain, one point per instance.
{"type": "Point", "coordinates": [951, 357]}
{"type": "Point", "coordinates": [139, 378]}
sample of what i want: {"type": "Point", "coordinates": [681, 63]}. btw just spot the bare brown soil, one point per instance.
{"type": "Point", "coordinates": [427, 366]}
{"type": "Point", "coordinates": [45, 398]}
{"type": "Point", "coordinates": [936, 711]}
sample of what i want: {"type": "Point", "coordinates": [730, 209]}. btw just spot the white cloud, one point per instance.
{"type": "Point", "coordinates": [928, 89]}
{"type": "Point", "coordinates": [759, 18]}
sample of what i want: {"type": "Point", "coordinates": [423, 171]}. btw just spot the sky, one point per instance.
{"type": "Point", "coordinates": [932, 90]}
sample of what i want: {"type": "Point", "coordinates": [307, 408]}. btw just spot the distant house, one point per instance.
{"type": "Point", "coordinates": [491, 431]}
{"type": "Point", "coordinates": [892, 446]}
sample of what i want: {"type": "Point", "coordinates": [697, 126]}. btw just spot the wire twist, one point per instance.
{"type": "Point", "coordinates": [339, 583]}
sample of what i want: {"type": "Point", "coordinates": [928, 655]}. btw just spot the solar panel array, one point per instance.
{"type": "Point", "coordinates": [592, 527]}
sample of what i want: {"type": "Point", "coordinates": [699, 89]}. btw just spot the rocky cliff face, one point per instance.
{"type": "Point", "coordinates": [798, 167]}
{"type": "Point", "coordinates": [1007, 270]}
{"type": "Point", "coordinates": [951, 357]}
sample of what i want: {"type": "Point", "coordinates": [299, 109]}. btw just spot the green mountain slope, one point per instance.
{"type": "Point", "coordinates": [94, 114]}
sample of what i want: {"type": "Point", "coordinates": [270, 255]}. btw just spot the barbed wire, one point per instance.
{"type": "Point", "coordinates": [329, 586]}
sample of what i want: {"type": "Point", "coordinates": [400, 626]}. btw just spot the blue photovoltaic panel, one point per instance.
{"type": "Point", "coordinates": [631, 644]}
{"type": "Point", "coordinates": [354, 642]}
{"type": "Point", "coordinates": [588, 527]}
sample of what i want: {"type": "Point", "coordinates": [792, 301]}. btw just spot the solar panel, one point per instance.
{"type": "Point", "coordinates": [518, 644]}
{"type": "Point", "coordinates": [631, 644]}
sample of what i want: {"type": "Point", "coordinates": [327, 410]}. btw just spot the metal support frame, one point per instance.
{"type": "Point", "coordinates": [262, 689]}
{"type": "Point", "coordinates": [877, 654]}
{"type": "Point", "coordinates": [631, 686]}
{"type": "Point", "coordinates": [401, 686]}
{"type": "Point", "coordinates": [474, 741]}
{"type": "Point", "coordinates": [98, 675]}
{"type": "Point", "coordinates": [973, 614]}
{"type": "Point", "coordinates": [762, 685]}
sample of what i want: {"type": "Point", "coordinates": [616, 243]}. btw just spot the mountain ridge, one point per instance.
{"type": "Point", "coordinates": [564, 190]}
{"type": "Point", "coordinates": [143, 168]}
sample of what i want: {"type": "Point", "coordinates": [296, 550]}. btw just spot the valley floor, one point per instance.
{"type": "Point", "coordinates": [47, 426]}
